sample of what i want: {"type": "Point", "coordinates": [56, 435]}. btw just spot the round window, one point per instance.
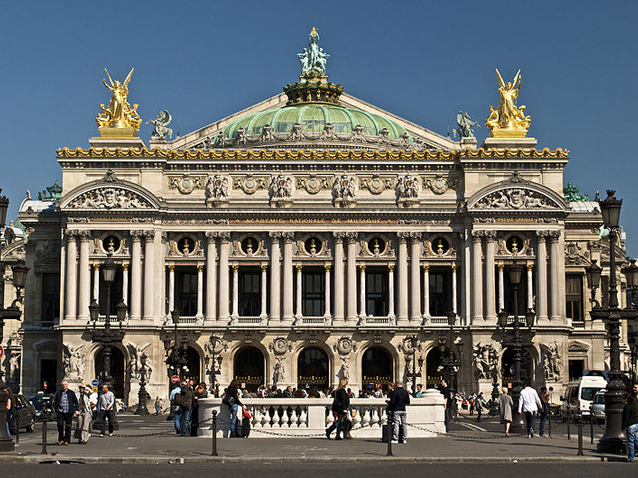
{"type": "Point", "coordinates": [111, 244]}
{"type": "Point", "coordinates": [376, 246]}
{"type": "Point", "coordinates": [440, 246]}
{"type": "Point", "coordinates": [313, 245]}
{"type": "Point", "coordinates": [514, 244]}
{"type": "Point", "coordinates": [185, 245]}
{"type": "Point", "coordinates": [249, 246]}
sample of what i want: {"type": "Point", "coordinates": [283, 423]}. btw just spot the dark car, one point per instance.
{"type": "Point", "coordinates": [41, 401]}
{"type": "Point", "coordinates": [24, 414]}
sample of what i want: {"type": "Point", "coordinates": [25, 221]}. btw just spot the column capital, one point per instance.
{"type": "Point", "coordinates": [224, 236]}
{"type": "Point", "coordinates": [339, 236]}
{"type": "Point", "coordinates": [362, 267]}
{"type": "Point", "coordinates": [275, 234]}
{"type": "Point", "coordinates": [530, 267]}
{"type": "Point", "coordinates": [501, 266]}
{"type": "Point", "coordinates": [234, 267]}
{"type": "Point", "coordinates": [125, 266]}
{"type": "Point", "coordinates": [264, 267]}
{"type": "Point", "coordinates": [490, 236]}
{"type": "Point", "coordinates": [71, 233]}
{"type": "Point", "coordinates": [136, 235]}
{"type": "Point", "coordinates": [84, 235]}
{"type": "Point", "coordinates": [390, 267]}
{"type": "Point", "coordinates": [477, 235]}
{"type": "Point", "coordinates": [200, 267]}
{"type": "Point", "coordinates": [351, 237]}
{"type": "Point", "coordinates": [415, 236]}
{"type": "Point", "coordinates": [541, 236]}
{"type": "Point", "coordinates": [327, 267]}
{"type": "Point", "coordinates": [403, 237]}
{"type": "Point", "coordinates": [298, 267]}
{"type": "Point", "coordinates": [553, 236]}
{"type": "Point", "coordinates": [288, 237]}
{"type": "Point", "coordinates": [96, 266]}
{"type": "Point", "coordinates": [426, 267]}
{"type": "Point", "coordinates": [170, 267]}
{"type": "Point", "coordinates": [212, 235]}
{"type": "Point", "coordinates": [149, 235]}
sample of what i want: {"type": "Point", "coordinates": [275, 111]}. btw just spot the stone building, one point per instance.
{"type": "Point", "coordinates": [310, 237]}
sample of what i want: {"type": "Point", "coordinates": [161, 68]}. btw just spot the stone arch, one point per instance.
{"type": "Point", "coordinates": [387, 346]}
{"type": "Point", "coordinates": [537, 197]}
{"type": "Point", "coordinates": [147, 200]}
{"type": "Point", "coordinates": [122, 392]}
{"type": "Point", "coordinates": [46, 350]}
{"type": "Point", "coordinates": [330, 380]}
{"type": "Point", "coordinates": [250, 375]}
{"type": "Point", "coordinates": [536, 372]}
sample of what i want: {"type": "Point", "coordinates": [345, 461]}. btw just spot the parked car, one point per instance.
{"type": "Point", "coordinates": [40, 402]}
{"type": "Point", "coordinates": [24, 416]}
{"type": "Point", "coordinates": [598, 406]}
{"type": "Point", "coordinates": [579, 395]}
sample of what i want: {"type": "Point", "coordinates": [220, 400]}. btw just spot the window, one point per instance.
{"type": "Point", "coordinates": [116, 292]}
{"type": "Point", "coordinates": [50, 298]}
{"type": "Point", "coordinates": [522, 293]}
{"type": "Point", "coordinates": [574, 296]}
{"type": "Point", "coordinates": [439, 293]}
{"type": "Point", "coordinates": [312, 293]}
{"type": "Point", "coordinates": [377, 293]}
{"type": "Point", "coordinates": [249, 292]}
{"type": "Point", "coordinates": [186, 296]}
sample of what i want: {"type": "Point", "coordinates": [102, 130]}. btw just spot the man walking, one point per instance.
{"type": "Point", "coordinates": [84, 417]}
{"type": "Point", "coordinates": [529, 402]}
{"type": "Point", "coordinates": [399, 398]}
{"type": "Point", "coordinates": [445, 391]}
{"type": "Point", "coordinates": [105, 404]}
{"type": "Point", "coordinates": [66, 406]}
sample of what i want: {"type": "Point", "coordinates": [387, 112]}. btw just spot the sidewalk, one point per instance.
{"type": "Point", "coordinates": [469, 446]}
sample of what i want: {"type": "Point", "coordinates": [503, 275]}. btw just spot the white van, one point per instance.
{"type": "Point", "coordinates": [579, 394]}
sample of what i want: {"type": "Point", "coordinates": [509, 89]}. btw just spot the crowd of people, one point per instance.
{"type": "Point", "coordinates": [185, 406]}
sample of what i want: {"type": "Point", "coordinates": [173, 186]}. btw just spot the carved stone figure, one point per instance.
{"type": "Point", "coordinates": [278, 371]}
{"type": "Point", "coordinates": [571, 194]}
{"type": "Point", "coordinates": [344, 371]}
{"type": "Point", "coordinates": [465, 125]}
{"type": "Point", "coordinates": [552, 361]}
{"type": "Point", "coordinates": [161, 129]}
{"type": "Point", "coordinates": [281, 186]}
{"type": "Point", "coordinates": [74, 363]}
{"type": "Point", "coordinates": [118, 114]}
{"type": "Point", "coordinates": [343, 190]}
{"type": "Point", "coordinates": [109, 198]}
{"type": "Point", "coordinates": [313, 59]}
{"type": "Point", "coordinates": [408, 187]}
{"type": "Point", "coordinates": [508, 120]}
{"type": "Point", "coordinates": [485, 360]}
{"type": "Point", "coordinates": [515, 198]}
{"type": "Point", "coordinates": [217, 187]}
{"type": "Point", "coordinates": [135, 352]}
{"type": "Point", "coordinates": [14, 367]}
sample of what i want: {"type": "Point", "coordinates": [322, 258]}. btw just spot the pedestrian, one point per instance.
{"type": "Point", "coordinates": [479, 404]}
{"type": "Point", "coordinates": [505, 405]}
{"type": "Point", "coordinates": [177, 419]}
{"type": "Point", "coordinates": [66, 405]}
{"type": "Point", "coordinates": [231, 400]}
{"type": "Point", "coordinates": [199, 392]}
{"type": "Point", "coordinates": [83, 430]}
{"type": "Point", "coordinates": [399, 398]}
{"type": "Point", "coordinates": [419, 390]}
{"type": "Point", "coordinates": [158, 405]}
{"type": "Point", "coordinates": [630, 424]}
{"type": "Point", "coordinates": [340, 406]}
{"type": "Point", "coordinates": [529, 402]}
{"type": "Point", "coordinates": [105, 404]}
{"type": "Point", "coordinates": [445, 391]}
{"type": "Point", "coordinates": [10, 407]}
{"type": "Point", "coordinates": [184, 399]}
{"type": "Point", "coordinates": [544, 396]}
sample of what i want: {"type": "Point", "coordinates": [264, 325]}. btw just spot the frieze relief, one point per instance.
{"type": "Point", "coordinates": [217, 189]}
{"type": "Point", "coordinates": [377, 184]}
{"type": "Point", "coordinates": [251, 184]}
{"type": "Point", "coordinates": [109, 198]}
{"type": "Point", "coordinates": [576, 254]}
{"type": "Point", "coordinates": [515, 198]}
{"type": "Point", "coordinates": [186, 183]}
{"type": "Point", "coordinates": [407, 191]}
{"type": "Point", "coordinates": [281, 190]}
{"type": "Point", "coordinates": [343, 191]}
{"type": "Point", "coordinates": [440, 184]}
{"type": "Point", "coordinates": [313, 183]}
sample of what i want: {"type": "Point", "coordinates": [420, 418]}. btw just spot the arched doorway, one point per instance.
{"type": "Point", "coordinates": [433, 368]}
{"type": "Point", "coordinates": [507, 367]}
{"type": "Point", "coordinates": [249, 368]}
{"type": "Point", "coordinates": [313, 368]}
{"type": "Point", "coordinates": [192, 370]}
{"type": "Point", "coordinates": [376, 368]}
{"type": "Point", "coordinates": [117, 370]}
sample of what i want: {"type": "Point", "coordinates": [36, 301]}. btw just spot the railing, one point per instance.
{"type": "Point", "coordinates": [285, 417]}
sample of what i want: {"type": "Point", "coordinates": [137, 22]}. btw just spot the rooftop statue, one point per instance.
{"type": "Point", "coordinates": [313, 59]}
{"type": "Point", "coordinates": [570, 193]}
{"type": "Point", "coordinates": [465, 125]}
{"type": "Point", "coordinates": [161, 130]}
{"type": "Point", "coordinates": [508, 120]}
{"type": "Point", "coordinates": [119, 114]}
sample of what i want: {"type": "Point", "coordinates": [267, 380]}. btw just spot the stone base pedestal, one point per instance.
{"type": "Point", "coordinates": [512, 143]}
{"type": "Point", "coordinates": [116, 142]}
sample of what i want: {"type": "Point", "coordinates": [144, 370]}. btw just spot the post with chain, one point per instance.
{"type": "Point", "coordinates": [591, 423]}
{"type": "Point", "coordinates": [45, 421]}
{"type": "Point", "coordinates": [550, 421]}
{"type": "Point", "coordinates": [569, 416]}
{"type": "Point", "coordinates": [214, 453]}
{"type": "Point", "coordinates": [580, 435]}
{"type": "Point", "coordinates": [388, 434]}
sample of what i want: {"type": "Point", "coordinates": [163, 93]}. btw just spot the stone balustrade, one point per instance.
{"type": "Point", "coordinates": [285, 417]}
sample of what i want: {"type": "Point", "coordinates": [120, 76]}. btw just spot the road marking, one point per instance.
{"type": "Point", "coordinates": [471, 426]}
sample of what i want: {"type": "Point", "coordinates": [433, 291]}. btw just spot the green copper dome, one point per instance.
{"type": "Point", "coordinates": [313, 118]}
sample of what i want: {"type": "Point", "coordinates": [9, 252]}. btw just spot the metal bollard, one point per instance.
{"type": "Point", "coordinates": [388, 434]}
{"type": "Point", "coordinates": [550, 422]}
{"type": "Point", "coordinates": [17, 422]}
{"type": "Point", "coordinates": [214, 453]}
{"type": "Point", "coordinates": [569, 416]}
{"type": "Point", "coordinates": [580, 436]}
{"type": "Point", "coordinates": [44, 433]}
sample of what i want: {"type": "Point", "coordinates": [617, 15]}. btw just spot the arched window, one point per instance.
{"type": "Point", "coordinates": [249, 368]}
{"type": "Point", "coordinates": [376, 368]}
{"type": "Point", "coordinates": [313, 368]}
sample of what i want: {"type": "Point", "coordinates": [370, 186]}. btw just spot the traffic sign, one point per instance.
{"type": "Point", "coordinates": [1, 352]}
{"type": "Point", "coordinates": [175, 379]}
{"type": "Point", "coordinates": [95, 382]}
{"type": "Point", "coordinates": [44, 385]}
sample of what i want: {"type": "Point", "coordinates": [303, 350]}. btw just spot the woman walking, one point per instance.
{"type": "Point", "coordinates": [506, 405]}
{"type": "Point", "coordinates": [544, 396]}
{"type": "Point", "coordinates": [340, 406]}
{"type": "Point", "coordinates": [232, 401]}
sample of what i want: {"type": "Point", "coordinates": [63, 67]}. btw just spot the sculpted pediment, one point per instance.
{"type": "Point", "coordinates": [575, 347]}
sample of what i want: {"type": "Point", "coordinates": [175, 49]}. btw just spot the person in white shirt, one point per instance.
{"type": "Point", "coordinates": [529, 402]}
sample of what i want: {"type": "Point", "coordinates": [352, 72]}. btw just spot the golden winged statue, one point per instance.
{"type": "Point", "coordinates": [509, 119]}
{"type": "Point", "coordinates": [118, 114]}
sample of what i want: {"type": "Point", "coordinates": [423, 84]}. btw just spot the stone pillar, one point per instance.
{"type": "Point", "coordinates": [415, 279]}
{"type": "Point", "coordinates": [96, 282]}
{"type": "Point", "coordinates": [84, 276]}
{"type": "Point", "coordinates": [298, 314]}
{"type": "Point", "coordinates": [554, 279]}
{"type": "Point", "coordinates": [200, 292]}
{"type": "Point", "coordinates": [287, 273]}
{"type": "Point", "coordinates": [149, 274]}
{"type": "Point", "coordinates": [171, 288]}
{"type": "Point", "coordinates": [501, 288]}
{"type": "Point", "coordinates": [235, 311]}
{"type": "Point", "coordinates": [275, 275]}
{"type": "Point", "coordinates": [477, 278]}
{"type": "Point", "coordinates": [426, 292]}
{"type": "Point", "coordinates": [125, 283]}
{"type": "Point", "coordinates": [211, 276]}
{"type": "Point", "coordinates": [530, 287]}
{"type": "Point", "coordinates": [327, 292]}
{"type": "Point", "coordinates": [136, 275]}
{"type": "Point", "coordinates": [339, 285]}
{"type": "Point", "coordinates": [402, 264]}
{"type": "Point", "coordinates": [224, 287]}
{"type": "Point", "coordinates": [264, 291]}
{"type": "Point", "coordinates": [454, 287]}
{"type": "Point", "coordinates": [71, 274]}
{"type": "Point", "coordinates": [490, 283]}
{"type": "Point", "coordinates": [391, 307]}
{"type": "Point", "coordinates": [351, 279]}
{"type": "Point", "coordinates": [362, 291]}
{"type": "Point", "coordinates": [541, 276]}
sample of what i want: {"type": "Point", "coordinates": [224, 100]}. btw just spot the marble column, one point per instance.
{"type": "Point", "coordinates": [136, 275]}
{"type": "Point", "coordinates": [224, 287]}
{"type": "Point", "coordinates": [391, 307]}
{"type": "Point", "coordinates": [96, 282]}
{"type": "Point", "coordinates": [454, 289]}
{"type": "Point", "coordinates": [541, 276]}
{"type": "Point", "coordinates": [339, 283]}
{"type": "Point", "coordinates": [426, 292]}
{"type": "Point", "coordinates": [351, 278]}
{"type": "Point", "coordinates": [327, 292]}
{"type": "Point", "coordinates": [171, 288]}
{"type": "Point", "coordinates": [490, 282]}
{"type": "Point", "coordinates": [235, 311]}
{"type": "Point", "coordinates": [275, 275]}
{"type": "Point", "coordinates": [362, 291]}
{"type": "Point", "coordinates": [200, 292]}
{"type": "Point", "coordinates": [402, 264]}
{"type": "Point", "coordinates": [84, 276]}
{"type": "Point", "coordinates": [211, 276]}
{"type": "Point", "coordinates": [530, 287]}
{"type": "Point", "coordinates": [288, 282]}
{"type": "Point", "coordinates": [71, 274]}
{"type": "Point", "coordinates": [477, 278]}
{"type": "Point", "coordinates": [264, 292]}
{"type": "Point", "coordinates": [125, 283]}
{"type": "Point", "coordinates": [149, 274]}
{"type": "Point", "coordinates": [298, 314]}
{"type": "Point", "coordinates": [415, 279]}
{"type": "Point", "coordinates": [501, 287]}
{"type": "Point", "coordinates": [554, 273]}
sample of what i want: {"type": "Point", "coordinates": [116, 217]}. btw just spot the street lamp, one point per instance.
{"type": "Point", "coordinates": [633, 347]}
{"type": "Point", "coordinates": [141, 395]}
{"type": "Point", "coordinates": [612, 440]}
{"type": "Point", "coordinates": [516, 343]}
{"type": "Point", "coordinates": [449, 362]}
{"type": "Point", "coordinates": [631, 274]}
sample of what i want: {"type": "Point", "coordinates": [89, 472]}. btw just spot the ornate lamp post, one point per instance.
{"type": "Point", "coordinates": [141, 395]}
{"type": "Point", "coordinates": [449, 362]}
{"type": "Point", "coordinates": [633, 347]}
{"type": "Point", "coordinates": [11, 312]}
{"type": "Point", "coordinates": [612, 439]}
{"type": "Point", "coordinates": [414, 374]}
{"type": "Point", "coordinates": [516, 342]}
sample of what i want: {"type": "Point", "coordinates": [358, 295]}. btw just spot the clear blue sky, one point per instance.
{"type": "Point", "coordinates": [421, 60]}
